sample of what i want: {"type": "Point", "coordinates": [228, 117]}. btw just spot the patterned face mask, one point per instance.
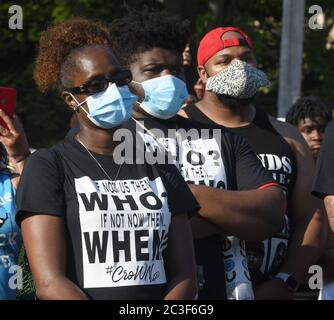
{"type": "Point", "coordinates": [239, 80]}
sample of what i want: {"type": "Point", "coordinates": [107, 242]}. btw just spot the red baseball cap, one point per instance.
{"type": "Point", "coordinates": [212, 42]}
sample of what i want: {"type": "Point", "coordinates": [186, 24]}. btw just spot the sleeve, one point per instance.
{"type": "Point", "coordinates": [40, 189]}
{"type": "Point", "coordinates": [180, 197]}
{"type": "Point", "coordinates": [323, 182]}
{"type": "Point", "coordinates": [249, 170]}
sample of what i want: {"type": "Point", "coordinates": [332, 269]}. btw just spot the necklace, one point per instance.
{"type": "Point", "coordinates": [98, 163]}
{"type": "Point", "coordinates": [150, 133]}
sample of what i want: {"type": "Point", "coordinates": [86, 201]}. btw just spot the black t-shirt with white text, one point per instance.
{"type": "Point", "coordinates": [116, 230]}
{"type": "Point", "coordinates": [215, 158]}
{"type": "Point", "coordinates": [267, 257]}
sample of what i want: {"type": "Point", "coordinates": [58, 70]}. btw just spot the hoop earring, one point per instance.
{"type": "Point", "coordinates": [76, 109]}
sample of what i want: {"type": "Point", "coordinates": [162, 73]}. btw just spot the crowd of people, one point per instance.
{"type": "Point", "coordinates": [158, 194]}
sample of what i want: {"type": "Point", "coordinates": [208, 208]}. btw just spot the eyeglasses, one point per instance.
{"type": "Point", "coordinates": [100, 84]}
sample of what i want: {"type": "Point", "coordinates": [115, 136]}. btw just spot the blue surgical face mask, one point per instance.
{"type": "Point", "coordinates": [110, 108]}
{"type": "Point", "coordinates": [164, 96]}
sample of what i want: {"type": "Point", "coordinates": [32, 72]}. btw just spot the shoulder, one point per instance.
{"type": "Point", "coordinates": [186, 123]}
{"type": "Point", "coordinates": [290, 134]}
{"type": "Point", "coordinates": [48, 155]}
{"type": "Point", "coordinates": [327, 144]}
{"type": "Point", "coordinates": [330, 130]}
{"type": "Point", "coordinates": [285, 129]}
{"type": "Point", "coordinates": [42, 161]}
{"type": "Point", "coordinates": [236, 140]}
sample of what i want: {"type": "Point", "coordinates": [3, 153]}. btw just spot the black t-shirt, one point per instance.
{"type": "Point", "coordinates": [116, 230]}
{"type": "Point", "coordinates": [205, 154]}
{"type": "Point", "coordinates": [323, 183]}
{"type": "Point", "coordinates": [215, 158]}
{"type": "Point", "coordinates": [267, 257]}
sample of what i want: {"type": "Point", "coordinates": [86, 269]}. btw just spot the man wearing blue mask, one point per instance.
{"type": "Point", "coordinates": [228, 69]}
{"type": "Point", "coordinates": [223, 179]}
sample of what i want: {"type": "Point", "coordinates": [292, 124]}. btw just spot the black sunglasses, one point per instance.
{"type": "Point", "coordinates": [100, 84]}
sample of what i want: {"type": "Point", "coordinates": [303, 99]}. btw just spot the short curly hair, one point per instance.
{"type": "Point", "coordinates": [58, 45]}
{"type": "Point", "coordinates": [308, 107]}
{"type": "Point", "coordinates": [140, 31]}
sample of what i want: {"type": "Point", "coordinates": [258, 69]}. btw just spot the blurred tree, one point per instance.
{"type": "Point", "coordinates": [318, 66]}
{"type": "Point", "coordinates": [45, 116]}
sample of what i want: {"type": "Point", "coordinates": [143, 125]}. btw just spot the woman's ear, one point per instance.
{"type": "Point", "coordinates": [202, 74]}
{"type": "Point", "coordinates": [69, 100]}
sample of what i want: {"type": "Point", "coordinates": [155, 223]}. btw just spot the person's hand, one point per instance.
{"type": "Point", "coordinates": [13, 139]}
{"type": "Point", "coordinates": [273, 289]}
{"type": "Point", "coordinates": [195, 188]}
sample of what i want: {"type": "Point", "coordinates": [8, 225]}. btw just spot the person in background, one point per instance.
{"type": "Point", "coordinates": [323, 188]}
{"type": "Point", "coordinates": [228, 68]}
{"type": "Point", "coordinates": [14, 150]}
{"type": "Point", "coordinates": [198, 86]}
{"type": "Point", "coordinates": [78, 202]}
{"type": "Point", "coordinates": [199, 89]}
{"type": "Point", "coordinates": [186, 55]}
{"type": "Point", "coordinates": [187, 63]}
{"type": "Point", "coordinates": [310, 116]}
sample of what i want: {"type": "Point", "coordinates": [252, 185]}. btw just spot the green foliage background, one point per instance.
{"type": "Point", "coordinates": [45, 116]}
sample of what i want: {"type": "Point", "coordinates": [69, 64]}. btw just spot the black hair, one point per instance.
{"type": "Point", "coordinates": [58, 46]}
{"type": "Point", "coordinates": [308, 107]}
{"type": "Point", "coordinates": [140, 31]}
{"type": "Point", "coordinates": [3, 156]}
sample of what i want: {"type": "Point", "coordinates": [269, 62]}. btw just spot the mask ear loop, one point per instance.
{"type": "Point", "coordinates": [178, 139]}
{"type": "Point", "coordinates": [79, 105]}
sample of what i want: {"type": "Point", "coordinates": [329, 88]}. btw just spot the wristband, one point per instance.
{"type": "Point", "coordinates": [288, 279]}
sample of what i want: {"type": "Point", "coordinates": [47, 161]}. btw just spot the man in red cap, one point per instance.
{"type": "Point", "coordinates": [228, 69]}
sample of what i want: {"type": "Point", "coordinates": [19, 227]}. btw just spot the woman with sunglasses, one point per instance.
{"type": "Point", "coordinates": [95, 226]}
